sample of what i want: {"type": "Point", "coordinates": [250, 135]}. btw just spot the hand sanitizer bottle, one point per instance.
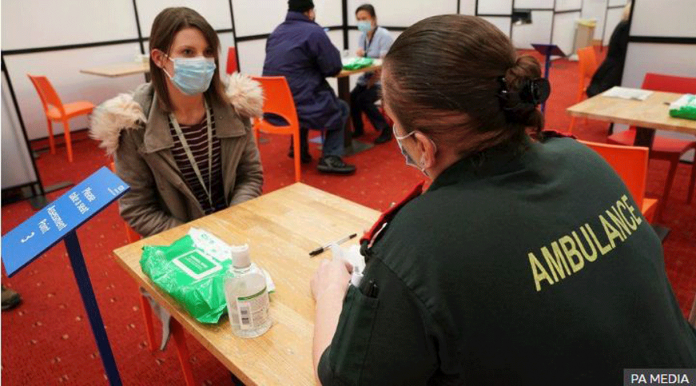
{"type": "Point", "coordinates": [247, 296]}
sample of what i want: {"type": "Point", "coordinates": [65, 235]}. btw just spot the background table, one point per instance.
{"type": "Point", "coordinates": [281, 228]}
{"type": "Point", "coordinates": [353, 146]}
{"type": "Point", "coordinates": [119, 69]}
{"type": "Point", "coordinates": [648, 116]}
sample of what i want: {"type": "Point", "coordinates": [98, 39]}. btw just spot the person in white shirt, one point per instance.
{"type": "Point", "coordinates": [374, 43]}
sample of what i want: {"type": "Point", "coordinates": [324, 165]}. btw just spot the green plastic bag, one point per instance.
{"type": "Point", "coordinates": [192, 271]}
{"type": "Point", "coordinates": [684, 107]}
{"type": "Point", "coordinates": [358, 63]}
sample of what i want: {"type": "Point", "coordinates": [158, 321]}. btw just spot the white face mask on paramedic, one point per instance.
{"type": "Point", "coordinates": [409, 160]}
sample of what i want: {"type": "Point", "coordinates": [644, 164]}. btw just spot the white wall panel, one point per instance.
{"type": "Point", "coordinates": [253, 17]}
{"type": "Point", "coordinates": [216, 12]}
{"type": "Point", "coordinates": [257, 17]}
{"type": "Point", "coordinates": [467, 7]}
{"type": "Point", "coordinates": [503, 23]}
{"type": "Point", "coordinates": [330, 12]}
{"type": "Point", "coordinates": [42, 23]}
{"type": "Point", "coordinates": [613, 18]}
{"type": "Point", "coordinates": [564, 25]}
{"type": "Point", "coordinates": [16, 160]}
{"type": "Point", "coordinates": [402, 13]}
{"type": "Point", "coordinates": [62, 68]}
{"type": "Point", "coordinates": [495, 7]}
{"type": "Point", "coordinates": [595, 9]}
{"type": "Point", "coordinates": [529, 4]}
{"type": "Point", "coordinates": [251, 56]}
{"type": "Point", "coordinates": [539, 31]}
{"type": "Point", "coordinates": [616, 3]}
{"type": "Point", "coordinates": [669, 59]}
{"type": "Point", "coordinates": [568, 5]}
{"type": "Point", "coordinates": [658, 18]}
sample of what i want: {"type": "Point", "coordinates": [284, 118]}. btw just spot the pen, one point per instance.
{"type": "Point", "coordinates": [337, 242]}
{"type": "Point", "coordinates": [372, 289]}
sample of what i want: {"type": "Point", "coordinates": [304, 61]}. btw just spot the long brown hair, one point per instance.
{"type": "Point", "coordinates": [443, 77]}
{"type": "Point", "coordinates": [165, 27]}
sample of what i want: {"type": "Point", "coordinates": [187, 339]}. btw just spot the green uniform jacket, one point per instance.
{"type": "Point", "coordinates": [519, 267]}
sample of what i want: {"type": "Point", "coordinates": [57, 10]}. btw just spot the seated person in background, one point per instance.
{"type": "Point", "coordinates": [183, 143]}
{"type": "Point", "coordinates": [526, 262]}
{"type": "Point", "coordinates": [374, 42]}
{"type": "Point", "coordinates": [300, 50]}
{"type": "Point", "coordinates": [609, 73]}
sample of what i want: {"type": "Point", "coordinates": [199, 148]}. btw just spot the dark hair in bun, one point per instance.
{"type": "Point", "coordinates": [458, 80]}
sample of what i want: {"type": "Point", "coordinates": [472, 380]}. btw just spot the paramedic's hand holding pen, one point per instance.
{"type": "Point", "coordinates": [337, 242]}
{"type": "Point", "coordinates": [329, 286]}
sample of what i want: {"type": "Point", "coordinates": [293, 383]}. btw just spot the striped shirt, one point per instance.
{"type": "Point", "coordinates": [197, 139]}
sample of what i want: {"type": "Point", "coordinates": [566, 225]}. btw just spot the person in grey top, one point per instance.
{"type": "Point", "coordinates": [374, 42]}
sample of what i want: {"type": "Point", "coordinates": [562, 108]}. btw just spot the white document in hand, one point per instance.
{"type": "Point", "coordinates": [627, 93]}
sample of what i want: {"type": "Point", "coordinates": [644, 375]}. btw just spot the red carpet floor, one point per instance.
{"type": "Point", "coordinates": [47, 339]}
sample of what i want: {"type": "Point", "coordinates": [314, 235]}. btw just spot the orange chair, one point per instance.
{"type": "Point", "coordinates": [231, 61]}
{"type": "Point", "coordinates": [55, 110]}
{"type": "Point", "coordinates": [587, 65]}
{"type": "Point", "coordinates": [631, 164]}
{"type": "Point", "coordinates": [278, 100]}
{"type": "Point", "coordinates": [176, 329]}
{"type": "Point", "coordinates": [664, 148]}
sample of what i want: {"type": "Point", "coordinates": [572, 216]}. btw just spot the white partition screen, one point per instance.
{"type": "Point", "coordinates": [399, 13]}
{"type": "Point", "coordinates": [564, 25]}
{"type": "Point", "coordinates": [568, 5]}
{"type": "Point", "coordinates": [656, 18]}
{"type": "Point", "coordinates": [254, 17]}
{"type": "Point", "coordinates": [41, 23]}
{"type": "Point", "coordinates": [216, 12]}
{"type": "Point", "coordinates": [495, 7]}
{"type": "Point", "coordinates": [534, 4]}
{"type": "Point", "coordinates": [597, 10]}
{"type": "Point", "coordinates": [539, 31]}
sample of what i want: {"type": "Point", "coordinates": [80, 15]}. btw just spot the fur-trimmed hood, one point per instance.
{"type": "Point", "coordinates": [129, 111]}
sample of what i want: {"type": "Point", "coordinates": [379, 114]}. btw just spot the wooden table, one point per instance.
{"type": "Point", "coordinates": [648, 116]}
{"type": "Point", "coordinates": [119, 69]}
{"type": "Point", "coordinates": [281, 228]}
{"type": "Point", "coordinates": [353, 146]}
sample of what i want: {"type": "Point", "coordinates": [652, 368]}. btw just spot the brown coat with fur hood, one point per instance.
{"type": "Point", "coordinates": [135, 131]}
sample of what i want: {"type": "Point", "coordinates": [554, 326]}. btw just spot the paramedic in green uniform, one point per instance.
{"type": "Point", "coordinates": [526, 261]}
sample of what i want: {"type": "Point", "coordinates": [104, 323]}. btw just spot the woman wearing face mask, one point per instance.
{"type": "Point", "coordinates": [526, 262]}
{"type": "Point", "coordinates": [374, 42]}
{"type": "Point", "coordinates": [182, 142]}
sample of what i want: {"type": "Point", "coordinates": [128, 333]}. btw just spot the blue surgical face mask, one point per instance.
{"type": "Point", "coordinates": [192, 75]}
{"type": "Point", "coordinates": [364, 26]}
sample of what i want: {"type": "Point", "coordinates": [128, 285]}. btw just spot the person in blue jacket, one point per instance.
{"type": "Point", "coordinates": [300, 50]}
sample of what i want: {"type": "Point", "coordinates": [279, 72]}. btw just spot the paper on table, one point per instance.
{"type": "Point", "coordinates": [627, 93]}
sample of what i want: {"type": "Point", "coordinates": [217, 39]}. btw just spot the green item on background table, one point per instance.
{"type": "Point", "coordinates": [192, 270]}
{"type": "Point", "coordinates": [358, 63]}
{"type": "Point", "coordinates": [684, 107]}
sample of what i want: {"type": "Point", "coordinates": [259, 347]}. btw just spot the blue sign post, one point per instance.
{"type": "Point", "coordinates": [547, 50]}
{"type": "Point", "coordinates": [58, 221]}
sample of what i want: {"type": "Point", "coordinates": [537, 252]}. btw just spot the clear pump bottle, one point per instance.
{"type": "Point", "coordinates": [247, 296]}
